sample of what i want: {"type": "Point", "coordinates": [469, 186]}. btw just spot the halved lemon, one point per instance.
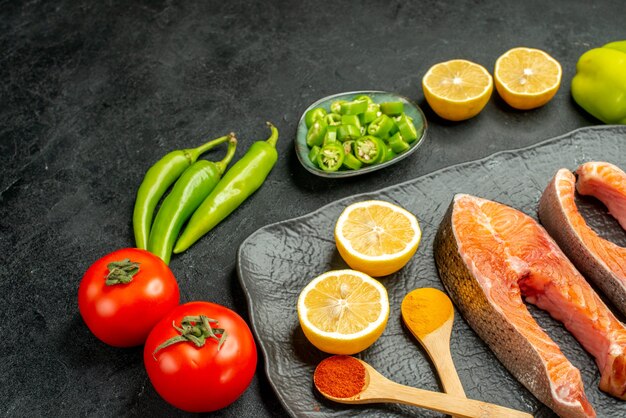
{"type": "Point", "coordinates": [458, 89]}
{"type": "Point", "coordinates": [377, 237]}
{"type": "Point", "coordinates": [343, 311]}
{"type": "Point", "coordinates": [527, 78]}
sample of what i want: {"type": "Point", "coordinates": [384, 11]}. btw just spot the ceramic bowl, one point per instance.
{"type": "Point", "coordinates": [410, 108]}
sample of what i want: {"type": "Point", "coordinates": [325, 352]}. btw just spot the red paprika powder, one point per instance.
{"type": "Point", "coordinates": [340, 376]}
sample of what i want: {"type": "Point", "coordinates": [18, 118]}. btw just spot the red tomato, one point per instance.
{"type": "Point", "coordinates": [201, 379]}
{"type": "Point", "coordinates": [122, 315]}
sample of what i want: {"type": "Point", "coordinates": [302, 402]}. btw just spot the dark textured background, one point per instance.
{"type": "Point", "coordinates": [94, 92]}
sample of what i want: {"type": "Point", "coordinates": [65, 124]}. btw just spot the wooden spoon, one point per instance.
{"type": "Point", "coordinates": [428, 313]}
{"type": "Point", "coordinates": [379, 389]}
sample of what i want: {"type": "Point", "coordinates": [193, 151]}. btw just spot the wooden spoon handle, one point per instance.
{"type": "Point", "coordinates": [439, 351]}
{"type": "Point", "coordinates": [440, 402]}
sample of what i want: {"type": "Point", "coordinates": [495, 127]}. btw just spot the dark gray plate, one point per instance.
{"type": "Point", "coordinates": [278, 260]}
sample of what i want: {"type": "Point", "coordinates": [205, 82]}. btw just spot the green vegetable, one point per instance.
{"type": "Point", "coordinates": [335, 107]}
{"type": "Point", "coordinates": [331, 135]}
{"type": "Point", "coordinates": [331, 157]}
{"type": "Point", "coordinates": [333, 119]}
{"type": "Point", "coordinates": [313, 115]}
{"type": "Point", "coordinates": [381, 126]}
{"type": "Point", "coordinates": [189, 191]}
{"type": "Point", "coordinates": [347, 132]}
{"type": "Point", "coordinates": [155, 183]}
{"type": "Point", "coordinates": [392, 108]}
{"type": "Point", "coordinates": [406, 128]}
{"type": "Point", "coordinates": [315, 151]}
{"type": "Point", "coordinates": [398, 144]}
{"type": "Point", "coordinates": [351, 162]}
{"type": "Point", "coordinates": [599, 85]}
{"type": "Point", "coordinates": [370, 114]}
{"type": "Point", "coordinates": [315, 134]}
{"type": "Point", "coordinates": [354, 107]}
{"type": "Point", "coordinates": [368, 149]}
{"type": "Point", "coordinates": [239, 182]}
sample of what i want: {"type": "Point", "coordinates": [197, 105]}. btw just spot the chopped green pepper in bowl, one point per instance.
{"type": "Point", "coordinates": [374, 128]}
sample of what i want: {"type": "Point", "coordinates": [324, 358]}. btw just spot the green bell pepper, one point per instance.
{"type": "Point", "coordinates": [599, 85]}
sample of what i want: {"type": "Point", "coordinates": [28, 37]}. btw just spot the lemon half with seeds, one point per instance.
{"type": "Point", "coordinates": [343, 311]}
{"type": "Point", "coordinates": [377, 237]}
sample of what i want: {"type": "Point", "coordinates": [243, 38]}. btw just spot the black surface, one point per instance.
{"type": "Point", "coordinates": [277, 261]}
{"type": "Point", "coordinates": [94, 92]}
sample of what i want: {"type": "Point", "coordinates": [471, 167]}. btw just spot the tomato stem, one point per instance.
{"type": "Point", "coordinates": [195, 329]}
{"type": "Point", "coordinates": [121, 272]}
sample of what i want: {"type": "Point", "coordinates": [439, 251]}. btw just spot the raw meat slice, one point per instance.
{"type": "Point", "coordinates": [488, 256]}
{"type": "Point", "coordinates": [600, 261]}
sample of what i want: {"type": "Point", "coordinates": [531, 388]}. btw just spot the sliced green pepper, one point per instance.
{"type": "Point", "coordinates": [331, 135]}
{"type": "Point", "coordinates": [346, 132]}
{"type": "Point", "coordinates": [398, 144]}
{"type": "Point", "coordinates": [351, 162]}
{"type": "Point", "coordinates": [313, 115]}
{"type": "Point", "coordinates": [315, 134]}
{"type": "Point", "coordinates": [351, 120]}
{"type": "Point", "coordinates": [406, 128]}
{"type": "Point", "coordinates": [354, 107]}
{"type": "Point", "coordinates": [383, 151]}
{"type": "Point", "coordinates": [333, 119]}
{"type": "Point", "coordinates": [599, 85]}
{"type": "Point", "coordinates": [372, 112]}
{"type": "Point", "coordinates": [335, 107]}
{"type": "Point", "coordinates": [348, 146]}
{"type": "Point", "coordinates": [381, 126]}
{"type": "Point", "coordinates": [367, 149]}
{"type": "Point", "coordinates": [390, 154]}
{"type": "Point", "coordinates": [392, 108]}
{"type": "Point", "coordinates": [331, 157]}
{"type": "Point", "coordinates": [365, 97]}
{"type": "Point", "coordinates": [314, 153]}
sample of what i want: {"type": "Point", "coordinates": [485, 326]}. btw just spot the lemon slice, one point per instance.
{"type": "Point", "coordinates": [343, 311]}
{"type": "Point", "coordinates": [458, 89]}
{"type": "Point", "coordinates": [527, 78]}
{"type": "Point", "coordinates": [377, 237]}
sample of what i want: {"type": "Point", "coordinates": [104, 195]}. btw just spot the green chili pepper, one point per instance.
{"type": "Point", "coordinates": [239, 182]}
{"type": "Point", "coordinates": [189, 191]}
{"type": "Point", "coordinates": [390, 154]}
{"type": "Point", "coordinates": [335, 107]}
{"type": "Point", "coordinates": [155, 183]}
{"type": "Point", "coordinates": [392, 108]}
{"type": "Point", "coordinates": [351, 162]}
{"type": "Point", "coordinates": [372, 112]}
{"type": "Point", "coordinates": [314, 153]}
{"type": "Point", "coordinates": [315, 134]}
{"type": "Point", "coordinates": [331, 135]}
{"type": "Point", "coordinates": [346, 132]}
{"type": "Point", "coordinates": [398, 144]}
{"type": "Point", "coordinates": [383, 150]}
{"type": "Point", "coordinates": [333, 119]}
{"type": "Point", "coordinates": [380, 127]}
{"type": "Point", "coordinates": [331, 157]}
{"type": "Point", "coordinates": [365, 97]}
{"type": "Point", "coordinates": [354, 107]}
{"type": "Point", "coordinates": [347, 146]}
{"type": "Point", "coordinates": [367, 149]}
{"type": "Point", "coordinates": [313, 115]}
{"type": "Point", "coordinates": [406, 128]}
{"type": "Point", "coordinates": [351, 120]}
